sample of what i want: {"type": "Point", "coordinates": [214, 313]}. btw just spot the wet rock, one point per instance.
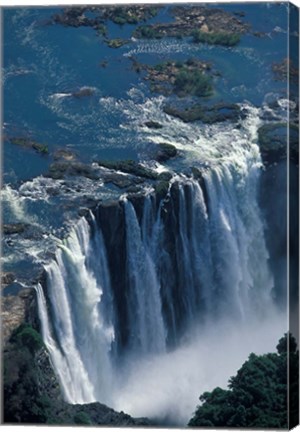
{"type": "Point", "coordinates": [15, 310]}
{"type": "Point", "coordinates": [64, 154]}
{"type": "Point", "coordinates": [189, 18]}
{"type": "Point", "coordinates": [153, 124]}
{"type": "Point", "coordinates": [161, 189]}
{"type": "Point", "coordinates": [240, 14]}
{"type": "Point", "coordinates": [165, 152]}
{"type": "Point", "coordinates": [83, 212]}
{"type": "Point", "coordinates": [104, 64]}
{"type": "Point", "coordinates": [259, 34]}
{"type": "Point", "coordinates": [134, 190]}
{"type": "Point", "coordinates": [283, 68]}
{"type": "Point", "coordinates": [29, 144]}
{"type": "Point", "coordinates": [14, 228]}
{"type": "Point", "coordinates": [130, 167]}
{"type": "Point", "coordinates": [84, 92]}
{"type": "Point", "coordinates": [165, 175]}
{"type": "Point", "coordinates": [63, 169]}
{"type": "Point", "coordinates": [7, 278]}
{"type": "Point", "coordinates": [116, 43]}
{"type": "Point", "coordinates": [207, 114]}
{"type": "Point", "coordinates": [32, 392]}
{"type": "Point", "coordinates": [273, 142]}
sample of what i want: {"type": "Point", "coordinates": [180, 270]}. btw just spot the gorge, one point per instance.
{"type": "Point", "coordinates": [149, 203]}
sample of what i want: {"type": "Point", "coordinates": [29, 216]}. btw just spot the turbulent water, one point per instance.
{"type": "Point", "coordinates": [194, 264]}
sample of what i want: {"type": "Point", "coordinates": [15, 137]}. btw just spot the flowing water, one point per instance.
{"type": "Point", "coordinates": [146, 317]}
{"type": "Point", "coordinates": [194, 263]}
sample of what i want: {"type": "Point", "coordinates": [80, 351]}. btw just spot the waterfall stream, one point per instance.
{"type": "Point", "coordinates": [120, 300]}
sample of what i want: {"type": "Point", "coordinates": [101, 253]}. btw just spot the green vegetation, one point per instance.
{"type": "Point", "coordinates": [216, 38]}
{"type": "Point", "coordinates": [22, 399]}
{"type": "Point", "coordinates": [40, 148]}
{"type": "Point", "coordinates": [27, 143]}
{"type": "Point", "coordinates": [82, 418]}
{"type": "Point", "coordinates": [31, 392]}
{"type": "Point", "coordinates": [257, 395]}
{"type": "Point", "coordinates": [116, 43]}
{"type": "Point", "coordinates": [132, 15]}
{"type": "Point", "coordinates": [101, 30]}
{"type": "Point", "coordinates": [192, 83]}
{"type": "Point", "coordinates": [26, 336]}
{"type": "Point", "coordinates": [189, 78]}
{"type": "Point", "coordinates": [147, 32]}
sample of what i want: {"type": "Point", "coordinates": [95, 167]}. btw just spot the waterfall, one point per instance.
{"type": "Point", "coordinates": [137, 278]}
{"type": "Point", "coordinates": [77, 297]}
{"type": "Point", "coordinates": [144, 304]}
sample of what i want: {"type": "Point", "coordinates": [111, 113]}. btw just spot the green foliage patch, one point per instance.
{"type": "Point", "coordinates": [221, 38]}
{"type": "Point", "coordinates": [26, 336]}
{"type": "Point", "coordinates": [257, 395]}
{"type": "Point", "coordinates": [193, 83]}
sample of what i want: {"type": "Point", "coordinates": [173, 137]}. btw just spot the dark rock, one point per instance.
{"type": "Point", "coordinates": [83, 212]}
{"type": "Point", "coordinates": [240, 14]}
{"type": "Point", "coordinates": [196, 173]}
{"type": "Point", "coordinates": [134, 189]}
{"type": "Point", "coordinates": [207, 114]}
{"type": "Point", "coordinates": [41, 402]}
{"type": "Point", "coordinates": [116, 43]}
{"type": "Point", "coordinates": [118, 179]}
{"type": "Point", "coordinates": [29, 144]}
{"type": "Point", "coordinates": [165, 152]}
{"type": "Point", "coordinates": [188, 18]}
{"type": "Point", "coordinates": [60, 170]}
{"type": "Point", "coordinates": [153, 124]}
{"type": "Point", "coordinates": [130, 167]}
{"type": "Point", "coordinates": [15, 309]}
{"type": "Point", "coordinates": [7, 278]}
{"type": "Point", "coordinates": [84, 92]}
{"type": "Point", "coordinates": [161, 189]}
{"type": "Point", "coordinates": [165, 175]}
{"type": "Point", "coordinates": [273, 142]}
{"type": "Point", "coordinates": [259, 34]}
{"type": "Point", "coordinates": [14, 228]}
{"type": "Point", "coordinates": [285, 67]}
{"type": "Point", "coordinates": [64, 154]}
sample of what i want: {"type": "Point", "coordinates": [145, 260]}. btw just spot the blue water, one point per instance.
{"type": "Point", "coordinates": [43, 62]}
{"type": "Point", "coordinates": [57, 59]}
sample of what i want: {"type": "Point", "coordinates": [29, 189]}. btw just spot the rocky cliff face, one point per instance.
{"type": "Point", "coordinates": [17, 309]}
{"type": "Point", "coordinates": [31, 388]}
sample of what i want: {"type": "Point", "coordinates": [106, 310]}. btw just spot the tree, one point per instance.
{"type": "Point", "coordinates": [257, 395]}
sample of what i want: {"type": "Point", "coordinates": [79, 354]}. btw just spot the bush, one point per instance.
{"type": "Point", "coordinates": [148, 32]}
{"type": "Point", "coordinates": [28, 337]}
{"type": "Point", "coordinates": [257, 395]}
{"type": "Point", "coordinates": [221, 38]}
{"type": "Point", "coordinates": [82, 418]}
{"type": "Point", "coordinates": [192, 82]}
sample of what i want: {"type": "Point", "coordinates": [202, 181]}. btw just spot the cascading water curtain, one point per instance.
{"type": "Point", "coordinates": [197, 256]}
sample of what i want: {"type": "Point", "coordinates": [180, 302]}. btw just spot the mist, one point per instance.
{"type": "Point", "coordinates": [166, 387]}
